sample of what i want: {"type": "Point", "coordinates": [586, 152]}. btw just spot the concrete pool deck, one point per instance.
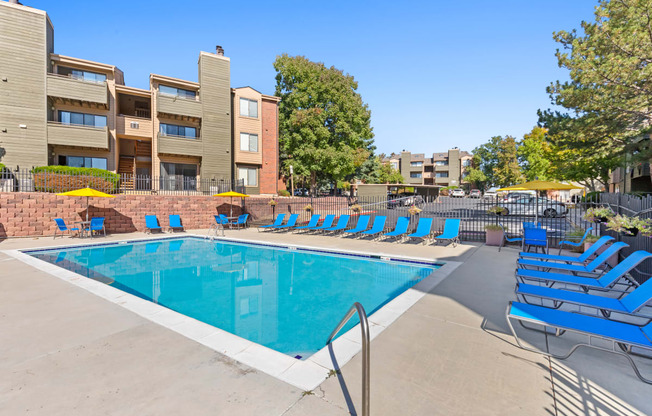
{"type": "Point", "coordinates": [65, 351]}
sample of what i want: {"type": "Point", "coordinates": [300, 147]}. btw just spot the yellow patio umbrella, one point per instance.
{"type": "Point", "coordinates": [232, 195]}
{"type": "Point", "coordinates": [88, 193]}
{"type": "Point", "coordinates": [538, 185]}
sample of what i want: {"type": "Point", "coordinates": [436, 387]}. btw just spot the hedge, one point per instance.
{"type": "Point", "coordinates": [66, 178]}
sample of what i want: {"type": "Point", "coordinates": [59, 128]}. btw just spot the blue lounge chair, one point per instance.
{"type": "Point", "coordinates": [240, 221]}
{"type": "Point", "coordinates": [328, 223]}
{"type": "Point", "coordinates": [342, 223]}
{"type": "Point", "coordinates": [96, 225]}
{"type": "Point", "coordinates": [61, 226]}
{"type": "Point", "coordinates": [592, 267]}
{"type": "Point", "coordinates": [630, 304]}
{"type": "Point", "coordinates": [583, 259]}
{"type": "Point", "coordinates": [451, 232]}
{"type": "Point", "coordinates": [292, 221]}
{"type": "Point", "coordinates": [604, 283]}
{"type": "Point", "coordinates": [361, 225]}
{"type": "Point", "coordinates": [401, 228]}
{"type": "Point", "coordinates": [574, 243]}
{"type": "Point", "coordinates": [314, 220]}
{"type": "Point", "coordinates": [508, 239]}
{"type": "Point", "coordinates": [423, 229]}
{"type": "Point", "coordinates": [175, 223]}
{"type": "Point", "coordinates": [278, 221]}
{"type": "Point", "coordinates": [619, 334]}
{"type": "Point", "coordinates": [377, 227]}
{"type": "Point", "coordinates": [151, 223]}
{"type": "Point", "coordinates": [531, 224]}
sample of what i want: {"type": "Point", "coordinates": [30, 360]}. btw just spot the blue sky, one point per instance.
{"type": "Point", "coordinates": [435, 74]}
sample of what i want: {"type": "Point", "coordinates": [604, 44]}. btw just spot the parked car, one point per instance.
{"type": "Point", "coordinates": [513, 196]}
{"type": "Point", "coordinates": [458, 193]}
{"type": "Point", "coordinates": [490, 195]}
{"type": "Point", "coordinates": [475, 193]}
{"type": "Point", "coordinates": [396, 201]}
{"type": "Point", "coordinates": [301, 192]}
{"type": "Point", "coordinates": [528, 205]}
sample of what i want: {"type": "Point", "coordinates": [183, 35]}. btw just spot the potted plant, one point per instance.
{"type": "Point", "coordinates": [272, 203]}
{"type": "Point", "coordinates": [630, 226]}
{"type": "Point", "coordinates": [588, 242]}
{"type": "Point", "coordinates": [414, 210]}
{"type": "Point", "coordinates": [494, 234]}
{"type": "Point", "coordinates": [356, 208]}
{"type": "Point", "coordinates": [308, 208]}
{"type": "Point", "coordinates": [496, 210]}
{"type": "Point", "coordinates": [598, 214]}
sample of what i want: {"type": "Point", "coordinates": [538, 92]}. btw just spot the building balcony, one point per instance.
{"type": "Point", "coordinates": [70, 90]}
{"type": "Point", "coordinates": [641, 170]}
{"type": "Point", "coordinates": [178, 106]}
{"type": "Point", "coordinates": [134, 127]}
{"type": "Point", "coordinates": [180, 145]}
{"type": "Point", "coordinates": [441, 168]}
{"type": "Point", "coordinates": [428, 175]}
{"type": "Point", "coordinates": [75, 135]}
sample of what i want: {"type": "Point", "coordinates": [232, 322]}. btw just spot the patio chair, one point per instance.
{"type": "Point", "coordinates": [292, 221]}
{"type": "Point", "coordinates": [451, 231]}
{"type": "Point", "coordinates": [62, 227]}
{"type": "Point", "coordinates": [423, 230]}
{"type": "Point", "coordinates": [328, 223]}
{"type": "Point", "coordinates": [175, 223]}
{"type": "Point", "coordinates": [361, 225]}
{"type": "Point", "coordinates": [607, 282]}
{"type": "Point", "coordinates": [220, 221]}
{"type": "Point", "coordinates": [314, 220]}
{"type": "Point", "coordinates": [507, 239]}
{"type": "Point", "coordinates": [574, 243]}
{"type": "Point", "coordinates": [622, 336]}
{"type": "Point", "coordinates": [583, 259]}
{"type": "Point", "coordinates": [401, 228]}
{"type": "Point", "coordinates": [592, 267]}
{"type": "Point", "coordinates": [278, 221]}
{"type": "Point", "coordinates": [97, 225]}
{"type": "Point", "coordinates": [240, 221]}
{"type": "Point", "coordinates": [342, 223]}
{"type": "Point", "coordinates": [151, 223]}
{"type": "Point", "coordinates": [531, 224]}
{"type": "Point", "coordinates": [377, 227]}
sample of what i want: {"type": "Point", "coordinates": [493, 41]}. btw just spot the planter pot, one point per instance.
{"type": "Point", "coordinates": [600, 220]}
{"type": "Point", "coordinates": [494, 237]}
{"type": "Point", "coordinates": [613, 260]}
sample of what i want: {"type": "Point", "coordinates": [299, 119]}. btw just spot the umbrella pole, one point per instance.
{"type": "Point", "coordinates": [88, 206]}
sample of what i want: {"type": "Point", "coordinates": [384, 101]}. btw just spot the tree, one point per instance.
{"type": "Point", "coordinates": [325, 130]}
{"type": "Point", "coordinates": [534, 153]}
{"type": "Point", "coordinates": [475, 175]}
{"type": "Point", "coordinates": [611, 76]}
{"type": "Point", "coordinates": [498, 161]}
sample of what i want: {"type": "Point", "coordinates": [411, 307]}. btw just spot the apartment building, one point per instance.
{"type": "Point", "coordinates": [445, 169]}
{"type": "Point", "coordinates": [61, 110]}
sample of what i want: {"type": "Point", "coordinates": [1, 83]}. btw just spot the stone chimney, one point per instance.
{"type": "Point", "coordinates": [219, 50]}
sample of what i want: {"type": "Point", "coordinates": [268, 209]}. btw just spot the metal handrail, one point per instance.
{"type": "Point", "coordinates": [364, 328]}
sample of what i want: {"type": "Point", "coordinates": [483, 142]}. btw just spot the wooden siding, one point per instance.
{"type": "Point", "coordinates": [178, 106]}
{"type": "Point", "coordinates": [180, 146]}
{"type": "Point", "coordinates": [123, 127]}
{"type": "Point", "coordinates": [215, 90]}
{"type": "Point", "coordinates": [68, 135]}
{"type": "Point", "coordinates": [73, 89]}
{"type": "Point", "coordinates": [23, 52]}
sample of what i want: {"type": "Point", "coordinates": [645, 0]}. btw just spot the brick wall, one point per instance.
{"type": "Point", "coordinates": [27, 214]}
{"type": "Point", "coordinates": [268, 174]}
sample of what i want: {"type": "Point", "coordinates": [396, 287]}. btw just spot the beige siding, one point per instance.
{"type": "Point", "coordinates": [23, 100]}
{"type": "Point", "coordinates": [73, 89]}
{"type": "Point", "coordinates": [215, 92]}
{"type": "Point", "coordinates": [180, 146]}
{"type": "Point", "coordinates": [62, 134]}
{"type": "Point", "coordinates": [242, 124]}
{"type": "Point", "coordinates": [123, 127]}
{"type": "Point", "coordinates": [178, 106]}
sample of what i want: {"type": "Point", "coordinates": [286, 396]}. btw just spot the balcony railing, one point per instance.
{"type": "Point", "coordinates": [169, 104]}
{"type": "Point", "coordinates": [134, 126]}
{"type": "Point", "coordinates": [61, 86]}
{"type": "Point", "coordinates": [78, 135]}
{"type": "Point", "coordinates": [180, 145]}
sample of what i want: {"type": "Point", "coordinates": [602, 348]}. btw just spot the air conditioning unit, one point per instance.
{"type": "Point", "coordinates": [134, 124]}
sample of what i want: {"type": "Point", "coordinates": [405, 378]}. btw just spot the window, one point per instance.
{"type": "Point", "coordinates": [441, 175]}
{"type": "Point", "coordinates": [177, 92]}
{"type": "Point", "coordinates": [248, 108]}
{"type": "Point", "coordinates": [174, 130]}
{"type": "Point", "coordinates": [82, 75]}
{"type": "Point", "coordinates": [248, 142]}
{"type": "Point", "coordinates": [394, 165]}
{"type": "Point", "coordinates": [83, 162]}
{"type": "Point", "coordinates": [178, 177]}
{"type": "Point", "coordinates": [416, 164]}
{"type": "Point", "coordinates": [466, 162]}
{"type": "Point", "coordinates": [249, 175]}
{"type": "Point", "coordinates": [441, 163]}
{"type": "Point", "coordinates": [415, 175]}
{"type": "Point", "coordinates": [81, 119]}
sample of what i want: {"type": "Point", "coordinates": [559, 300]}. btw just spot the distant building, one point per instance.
{"type": "Point", "coordinates": [445, 169]}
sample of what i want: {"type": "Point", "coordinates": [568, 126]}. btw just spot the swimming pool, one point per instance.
{"type": "Point", "coordinates": [285, 298]}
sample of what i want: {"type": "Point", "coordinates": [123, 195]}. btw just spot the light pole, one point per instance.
{"type": "Point", "coordinates": [292, 180]}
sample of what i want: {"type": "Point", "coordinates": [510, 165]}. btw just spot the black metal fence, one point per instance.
{"type": "Point", "coordinates": [108, 182]}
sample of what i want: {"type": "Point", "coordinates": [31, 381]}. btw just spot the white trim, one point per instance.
{"type": "Point", "coordinates": [307, 374]}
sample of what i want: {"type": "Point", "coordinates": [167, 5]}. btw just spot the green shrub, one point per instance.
{"type": "Point", "coordinates": [2, 167]}
{"type": "Point", "coordinates": [493, 227]}
{"type": "Point", "coordinates": [66, 178]}
{"type": "Point", "coordinates": [283, 193]}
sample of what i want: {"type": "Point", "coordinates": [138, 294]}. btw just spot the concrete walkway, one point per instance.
{"type": "Point", "coordinates": [64, 351]}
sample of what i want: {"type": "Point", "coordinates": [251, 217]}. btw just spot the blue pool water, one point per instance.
{"type": "Point", "coordinates": [286, 299]}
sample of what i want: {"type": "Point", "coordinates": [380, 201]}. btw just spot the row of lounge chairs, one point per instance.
{"type": "Point", "coordinates": [152, 223]}
{"type": "Point", "coordinates": [583, 295]}
{"type": "Point", "coordinates": [362, 228]}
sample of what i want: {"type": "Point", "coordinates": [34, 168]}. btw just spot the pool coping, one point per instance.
{"type": "Point", "coordinates": [305, 374]}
